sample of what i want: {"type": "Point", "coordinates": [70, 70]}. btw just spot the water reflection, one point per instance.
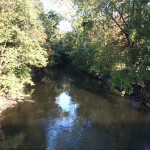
{"type": "Point", "coordinates": [73, 112]}
{"type": "Point", "coordinates": [65, 122]}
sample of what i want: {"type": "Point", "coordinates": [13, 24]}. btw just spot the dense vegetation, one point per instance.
{"type": "Point", "coordinates": [22, 41]}
{"type": "Point", "coordinates": [110, 39]}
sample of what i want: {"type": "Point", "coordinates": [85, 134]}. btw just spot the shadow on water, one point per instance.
{"type": "Point", "coordinates": [74, 112]}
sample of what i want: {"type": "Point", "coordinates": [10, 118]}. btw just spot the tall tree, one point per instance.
{"type": "Point", "coordinates": [21, 44]}
{"type": "Point", "coordinates": [112, 36]}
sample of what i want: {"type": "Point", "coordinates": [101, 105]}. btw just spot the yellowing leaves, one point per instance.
{"type": "Point", "coordinates": [21, 39]}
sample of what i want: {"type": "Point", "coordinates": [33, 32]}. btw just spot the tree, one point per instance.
{"type": "Point", "coordinates": [112, 38]}
{"type": "Point", "coordinates": [21, 44]}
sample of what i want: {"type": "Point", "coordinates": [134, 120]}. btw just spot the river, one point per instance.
{"type": "Point", "coordinates": [73, 111]}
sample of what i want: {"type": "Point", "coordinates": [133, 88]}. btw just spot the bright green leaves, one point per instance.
{"type": "Point", "coordinates": [21, 39]}
{"type": "Point", "coordinates": [12, 84]}
{"type": "Point", "coordinates": [133, 35]}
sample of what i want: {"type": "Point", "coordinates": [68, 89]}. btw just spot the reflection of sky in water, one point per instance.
{"type": "Point", "coordinates": [64, 101]}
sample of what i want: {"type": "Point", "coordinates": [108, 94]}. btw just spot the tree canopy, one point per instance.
{"type": "Point", "coordinates": [22, 41]}
{"type": "Point", "coordinates": [110, 39]}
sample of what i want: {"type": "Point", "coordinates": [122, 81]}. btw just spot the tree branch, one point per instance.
{"type": "Point", "coordinates": [122, 30]}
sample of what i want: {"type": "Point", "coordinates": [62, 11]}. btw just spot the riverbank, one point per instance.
{"type": "Point", "coordinates": [139, 95]}
{"type": "Point", "coordinates": [6, 103]}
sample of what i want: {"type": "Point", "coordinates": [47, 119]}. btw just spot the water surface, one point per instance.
{"type": "Point", "coordinates": [75, 112]}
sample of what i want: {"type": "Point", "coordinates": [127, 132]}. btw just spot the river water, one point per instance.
{"type": "Point", "coordinates": [75, 112]}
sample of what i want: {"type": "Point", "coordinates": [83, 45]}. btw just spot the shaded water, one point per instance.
{"type": "Point", "coordinates": [74, 112]}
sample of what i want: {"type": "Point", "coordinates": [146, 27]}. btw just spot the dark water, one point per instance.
{"type": "Point", "coordinates": [74, 112]}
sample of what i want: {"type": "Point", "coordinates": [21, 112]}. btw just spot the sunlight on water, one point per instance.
{"type": "Point", "coordinates": [65, 123]}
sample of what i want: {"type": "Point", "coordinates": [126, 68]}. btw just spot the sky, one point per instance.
{"type": "Point", "coordinates": [64, 8]}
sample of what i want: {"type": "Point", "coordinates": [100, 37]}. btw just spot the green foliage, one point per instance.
{"type": "Point", "coordinates": [53, 42]}
{"type": "Point", "coordinates": [121, 81]}
{"type": "Point", "coordinates": [113, 32]}
{"type": "Point", "coordinates": [50, 22]}
{"type": "Point", "coordinates": [107, 35]}
{"type": "Point", "coordinates": [22, 37]}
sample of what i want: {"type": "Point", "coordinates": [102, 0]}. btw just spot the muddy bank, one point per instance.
{"type": "Point", "coordinates": [6, 103]}
{"type": "Point", "coordinates": [11, 103]}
